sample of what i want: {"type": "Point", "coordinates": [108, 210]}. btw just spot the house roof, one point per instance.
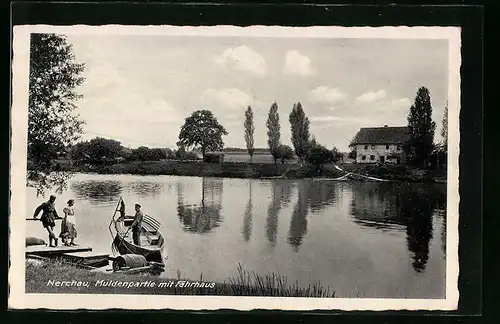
{"type": "Point", "coordinates": [382, 135]}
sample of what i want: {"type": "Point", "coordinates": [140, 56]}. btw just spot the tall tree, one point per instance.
{"type": "Point", "coordinates": [337, 155]}
{"type": "Point", "coordinates": [273, 131]}
{"type": "Point", "coordinates": [444, 128]}
{"type": "Point", "coordinates": [422, 127]}
{"type": "Point", "coordinates": [202, 130]}
{"type": "Point", "coordinates": [249, 131]}
{"type": "Point", "coordinates": [320, 155]}
{"type": "Point", "coordinates": [300, 131]}
{"type": "Point", "coordinates": [53, 124]}
{"type": "Point", "coordinates": [104, 150]}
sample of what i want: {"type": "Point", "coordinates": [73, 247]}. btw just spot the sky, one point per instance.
{"type": "Point", "coordinates": [140, 88]}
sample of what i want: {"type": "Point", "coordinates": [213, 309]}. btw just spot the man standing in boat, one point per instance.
{"type": "Point", "coordinates": [137, 225]}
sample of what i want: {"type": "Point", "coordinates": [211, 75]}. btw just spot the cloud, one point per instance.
{"type": "Point", "coordinates": [331, 119]}
{"type": "Point", "coordinates": [371, 96]}
{"type": "Point", "coordinates": [401, 102]}
{"type": "Point", "coordinates": [233, 99]}
{"type": "Point", "coordinates": [132, 108]}
{"type": "Point", "coordinates": [297, 64]}
{"type": "Point", "coordinates": [242, 58]}
{"type": "Point", "coordinates": [323, 94]}
{"type": "Point", "coordinates": [104, 76]}
{"type": "Point", "coordinates": [325, 118]}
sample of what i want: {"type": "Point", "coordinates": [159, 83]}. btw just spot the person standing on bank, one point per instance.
{"type": "Point", "coordinates": [68, 225]}
{"type": "Point", "coordinates": [48, 218]}
{"type": "Point", "coordinates": [137, 225]}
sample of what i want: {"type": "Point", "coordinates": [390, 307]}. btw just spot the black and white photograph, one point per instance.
{"type": "Point", "coordinates": [312, 167]}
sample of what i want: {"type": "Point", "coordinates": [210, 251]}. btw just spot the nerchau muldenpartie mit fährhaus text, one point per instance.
{"type": "Point", "coordinates": [132, 284]}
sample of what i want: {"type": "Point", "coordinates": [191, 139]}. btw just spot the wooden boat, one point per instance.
{"type": "Point", "coordinates": [151, 239]}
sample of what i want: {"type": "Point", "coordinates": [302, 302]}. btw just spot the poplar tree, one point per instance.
{"type": "Point", "coordinates": [273, 131]}
{"type": "Point", "coordinates": [249, 132]}
{"type": "Point", "coordinates": [422, 127]}
{"type": "Point", "coordinates": [300, 131]}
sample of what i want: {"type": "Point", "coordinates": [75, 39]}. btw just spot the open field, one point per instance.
{"type": "Point", "coordinates": [243, 157]}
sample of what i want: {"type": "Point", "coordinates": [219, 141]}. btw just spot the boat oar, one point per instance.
{"type": "Point", "coordinates": [123, 237]}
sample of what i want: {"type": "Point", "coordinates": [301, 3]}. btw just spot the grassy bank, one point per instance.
{"type": "Point", "coordinates": [259, 170]}
{"type": "Point", "coordinates": [196, 168]}
{"type": "Point", "coordinates": [46, 277]}
{"type": "Point", "coordinates": [398, 172]}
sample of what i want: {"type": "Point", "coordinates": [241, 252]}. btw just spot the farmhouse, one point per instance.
{"type": "Point", "coordinates": [381, 144]}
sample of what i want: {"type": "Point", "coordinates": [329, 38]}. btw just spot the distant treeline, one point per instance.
{"type": "Point", "coordinates": [102, 150]}
{"type": "Point", "coordinates": [245, 150]}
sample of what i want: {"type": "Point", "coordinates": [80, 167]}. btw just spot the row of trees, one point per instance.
{"type": "Point", "coordinates": [102, 150]}
{"type": "Point", "coordinates": [304, 148]}
{"type": "Point", "coordinates": [202, 131]}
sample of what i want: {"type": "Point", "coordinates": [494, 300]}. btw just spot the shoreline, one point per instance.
{"type": "Point", "coordinates": [244, 170]}
{"type": "Point", "coordinates": [54, 276]}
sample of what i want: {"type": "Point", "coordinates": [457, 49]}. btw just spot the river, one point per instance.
{"type": "Point", "coordinates": [360, 239]}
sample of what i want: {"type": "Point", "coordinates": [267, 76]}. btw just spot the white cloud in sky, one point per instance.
{"type": "Point", "coordinates": [323, 94]}
{"type": "Point", "coordinates": [332, 119]}
{"type": "Point", "coordinates": [232, 98]}
{"type": "Point", "coordinates": [131, 109]}
{"type": "Point", "coordinates": [104, 76]}
{"type": "Point", "coordinates": [401, 102]}
{"type": "Point", "coordinates": [243, 58]}
{"type": "Point", "coordinates": [325, 118]}
{"type": "Point", "coordinates": [297, 64]}
{"type": "Point", "coordinates": [371, 96]}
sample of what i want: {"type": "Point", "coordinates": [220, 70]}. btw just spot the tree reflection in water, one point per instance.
{"type": "Point", "coordinates": [408, 206]}
{"type": "Point", "coordinates": [324, 194]}
{"type": "Point", "coordinates": [247, 217]}
{"type": "Point", "coordinates": [280, 198]}
{"type": "Point", "coordinates": [145, 188]}
{"type": "Point", "coordinates": [204, 217]}
{"type": "Point", "coordinates": [298, 223]}
{"type": "Point", "coordinates": [97, 191]}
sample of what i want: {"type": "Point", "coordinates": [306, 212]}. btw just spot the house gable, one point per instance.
{"type": "Point", "coordinates": [382, 136]}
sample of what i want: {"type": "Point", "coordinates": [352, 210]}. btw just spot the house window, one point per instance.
{"type": "Point", "coordinates": [387, 147]}
{"type": "Point", "coordinates": [398, 147]}
{"type": "Point", "coordinates": [366, 147]}
{"type": "Point", "coordinates": [373, 147]}
{"type": "Point", "coordinates": [363, 157]}
{"type": "Point", "coordinates": [372, 157]}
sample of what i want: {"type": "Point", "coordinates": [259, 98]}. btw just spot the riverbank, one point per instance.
{"type": "Point", "coordinates": [54, 276]}
{"type": "Point", "coordinates": [402, 173]}
{"type": "Point", "coordinates": [197, 168]}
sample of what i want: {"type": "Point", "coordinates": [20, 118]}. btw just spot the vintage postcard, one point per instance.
{"type": "Point", "coordinates": [225, 167]}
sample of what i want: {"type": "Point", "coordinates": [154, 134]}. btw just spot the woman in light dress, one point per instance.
{"type": "Point", "coordinates": [68, 225]}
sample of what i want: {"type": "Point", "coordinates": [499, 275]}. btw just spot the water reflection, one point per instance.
{"type": "Point", "coordinates": [298, 223]}
{"type": "Point", "coordinates": [323, 194]}
{"type": "Point", "coordinates": [281, 193]}
{"type": "Point", "coordinates": [407, 207]}
{"type": "Point", "coordinates": [145, 189]}
{"type": "Point", "coordinates": [376, 205]}
{"type": "Point", "coordinates": [97, 191]}
{"type": "Point", "coordinates": [206, 216]}
{"type": "Point", "coordinates": [247, 217]}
